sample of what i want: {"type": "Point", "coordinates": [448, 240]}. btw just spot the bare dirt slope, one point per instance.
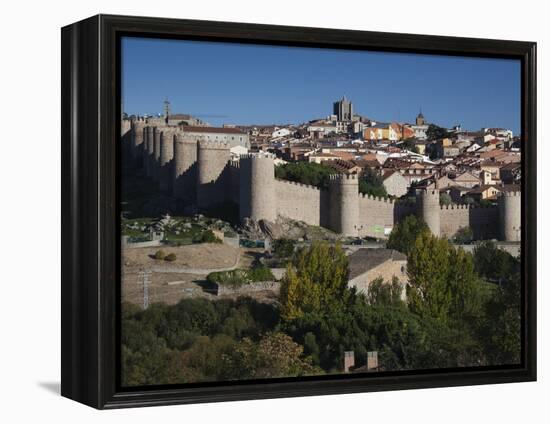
{"type": "Point", "coordinates": [194, 256]}
{"type": "Point", "coordinates": [169, 282]}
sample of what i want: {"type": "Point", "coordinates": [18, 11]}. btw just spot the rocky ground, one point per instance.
{"type": "Point", "coordinates": [286, 228]}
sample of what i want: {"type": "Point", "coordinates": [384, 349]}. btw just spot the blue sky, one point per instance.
{"type": "Point", "coordinates": [253, 84]}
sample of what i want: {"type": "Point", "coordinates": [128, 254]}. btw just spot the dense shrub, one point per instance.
{"type": "Point", "coordinates": [239, 277]}
{"type": "Point", "coordinates": [445, 199]}
{"type": "Point", "coordinates": [233, 278]}
{"type": "Point", "coordinates": [191, 340]}
{"type": "Point", "coordinates": [283, 248]}
{"type": "Point", "coordinates": [464, 235]}
{"type": "Point", "coordinates": [404, 234]}
{"type": "Point", "coordinates": [305, 173]}
{"type": "Point", "coordinates": [160, 254]}
{"type": "Point", "coordinates": [372, 184]}
{"type": "Point", "coordinates": [450, 319]}
{"type": "Point", "coordinates": [170, 257]}
{"type": "Point", "coordinates": [209, 237]}
{"type": "Point", "coordinates": [261, 273]}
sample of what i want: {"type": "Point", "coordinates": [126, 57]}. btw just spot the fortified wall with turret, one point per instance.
{"type": "Point", "coordinates": [201, 173]}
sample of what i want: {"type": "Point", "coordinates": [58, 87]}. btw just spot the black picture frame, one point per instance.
{"type": "Point", "coordinates": [90, 219]}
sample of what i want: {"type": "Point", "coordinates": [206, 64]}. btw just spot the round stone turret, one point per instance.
{"type": "Point", "coordinates": [344, 204]}
{"type": "Point", "coordinates": [430, 210]}
{"type": "Point", "coordinates": [150, 151]}
{"type": "Point", "coordinates": [212, 160]}
{"type": "Point", "coordinates": [156, 155]}
{"type": "Point", "coordinates": [125, 126]}
{"type": "Point", "coordinates": [127, 139]}
{"type": "Point", "coordinates": [510, 216]}
{"type": "Point", "coordinates": [166, 155]}
{"type": "Point", "coordinates": [257, 187]}
{"type": "Point", "coordinates": [184, 169]}
{"type": "Point", "coordinates": [137, 138]}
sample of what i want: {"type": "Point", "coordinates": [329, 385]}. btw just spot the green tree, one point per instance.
{"type": "Point", "coordinates": [464, 286]}
{"type": "Point", "coordinates": [493, 263]}
{"type": "Point", "coordinates": [464, 235]}
{"type": "Point", "coordinates": [284, 248]}
{"type": "Point", "coordinates": [316, 281]}
{"type": "Point", "coordinates": [293, 291]}
{"type": "Point", "coordinates": [435, 132]}
{"type": "Point", "coordinates": [428, 292]}
{"type": "Point", "coordinates": [372, 184]}
{"type": "Point", "coordinates": [408, 144]}
{"type": "Point", "coordinates": [445, 199]}
{"type": "Point", "coordinates": [311, 348]}
{"type": "Point", "coordinates": [502, 330]}
{"type": "Point", "coordinates": [203, 359]}
{"type": "Point", "coordinates": [275, 355]}
{"type": "Point", "coordinates": [309, 173]}
{"type": "Point", "coordinates": [404, 234]}
{"type": "Point", "coordinates": [384, 293]}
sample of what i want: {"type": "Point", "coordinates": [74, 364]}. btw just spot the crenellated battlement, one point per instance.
{"type": "Point", "coordinates": [234, 164]}
{"type": "Point", "coordinates": [376, 198]}
{"type": "Point", "coordinates": [257, 155]}
{"type": "Point", "coordinates": [457, 207]}
{"type": "Point", "coordinates": [204, 172]}
{"type": "Point", "coordinates": [298, 184]}
{"type": "Point", "coordinates": [213, 145]}
{"type": "Point", "coordinates": [188, 138]}
{"type": "Point", "coordinates": [511, 194]}
{"type": "Point", "coordinates": [343, 177]}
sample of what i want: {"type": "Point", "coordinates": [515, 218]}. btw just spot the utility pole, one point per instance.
{"type": "Point", "coordinates": [145, 278]}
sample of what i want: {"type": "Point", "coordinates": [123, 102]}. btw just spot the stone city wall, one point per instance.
{"type": "Point", "coordinates": [184, 164]}
{"type": "Point", "coordinates": [299, 201]}
{"type": "Point", "coordinates": [376, 216]}
{"type": "Point", "coordinates": [484, 221]}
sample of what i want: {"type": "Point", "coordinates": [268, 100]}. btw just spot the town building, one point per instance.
{"type": "Point", "coordinates": [511, 173]}
{"type": "Point", "coordinates": [366, 265]}
{"type": "Point", "coordinates": [484, 192]}
{"type": "Point", "coordinates": [467, 179]}
{"type": "Point", "coordinates": [320, 130]}
{"type": "Point", "coordinates": [343, 109]}
{"type": "Point", "coordinates": [420, 128]}
{"type": "Point", "coordinates": [202, 166]}
{"type": "Point", "coordinates": [232, 136]}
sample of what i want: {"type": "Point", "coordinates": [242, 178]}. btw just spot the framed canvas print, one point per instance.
{"type": "Point", "coordinates": [255, 211]}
